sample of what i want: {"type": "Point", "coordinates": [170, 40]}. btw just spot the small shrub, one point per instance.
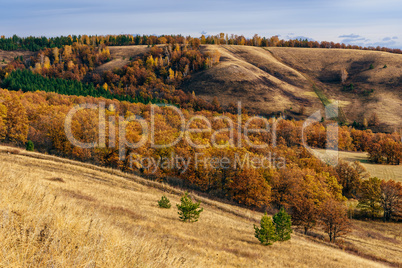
{"type": "Point", "coordinates": [164, 202]}
{"type": "Point", "coordinates": [283, 225]}
{"type": "Point", "coordinates": [13, 151]}
{"type": "Point", "coordinates": [188, 210]}
{"type": "Point", "coordinates": [385, 66]}
{"type": "Point", "coordinates": [30, 146]}
{"type": "Point", "coordinates": [266, 234]}
{"type": "Point", "coordinates": [367, 92]}
{"type": "Point", "coordinates": [371, 66]}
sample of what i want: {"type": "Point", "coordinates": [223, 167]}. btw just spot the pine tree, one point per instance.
{"type": "Point", "coordinates": [283, 225]}
{"type": "Point", "coordinates": [188, 211]}
{"type": "Point", "coordinates": [164, 202]}
{"type": "Point", "coordinates": [266, 234]}
{"type": "Point", "coordinates": [30, 146]}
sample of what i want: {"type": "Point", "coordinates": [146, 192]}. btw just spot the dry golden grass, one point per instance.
{"type": "Point", "coordinates": [386, 172]}
{"type": "Point", "coordinates": [378, 240]}
{"type": "Point", "coordinates": [275, 79]}
{"type": "Point", "coordinates": [60, 213]}
{"type": "Point", "coordinates": [255, 77]}
{"type": "Point", "coordinates": [121, 57]}
{"type": "Point", "coordinates": [323, 66]}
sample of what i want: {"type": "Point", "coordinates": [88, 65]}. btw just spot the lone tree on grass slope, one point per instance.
{"type": "Point", "coordinates": [164, 202]}
{"type": "Point", "coordinates": [283, 225]}
{"type": "Point", "coordinates": [188, 210]}
{"type": "Point", "coordinates": [266, 234]}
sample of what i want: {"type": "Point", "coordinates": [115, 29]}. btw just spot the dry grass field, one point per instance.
{"type": "Point", "coordinates": [380, 171]}
{"type": "Point", "coordinates": [61, 213]}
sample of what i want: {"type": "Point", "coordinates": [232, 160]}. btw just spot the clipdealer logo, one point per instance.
{"type": "Point", "coordinates": [185, 129]}
{"type": "Point", "coordinates": [329, 156]}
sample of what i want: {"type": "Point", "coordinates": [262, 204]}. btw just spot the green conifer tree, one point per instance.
{"type": "Point", "coordinates": [188, 210]}
{"type": "Point", "coordinates": [164, 202]}
{"type": "Point", "coordinates": [266, 234]}
{"type": "Point", "coordinates": [283, 225]}
{"type": "Point", "coordinates": [30, 146]}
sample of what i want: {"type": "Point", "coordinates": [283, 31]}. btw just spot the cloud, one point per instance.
{"type": "Point", "coordinates": [351, 36]}
{"type": "Point", "coordinates": [386, 39]}
{"type": "Point", "coordinates": [204, 32]}
{"type": "Point", "coordinates": [291, 36]}
{"type": "Point", "coordinates": [395, 37]}
{"type": "Point", "coordinates": [353, 39]}
{"type": "Point", "coordinates": [303, 38]}
{"type": "Point", "coordinates": [389, 43]}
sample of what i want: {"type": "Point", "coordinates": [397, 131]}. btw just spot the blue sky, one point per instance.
{"type": "Point", "coordinates": [362, 22]}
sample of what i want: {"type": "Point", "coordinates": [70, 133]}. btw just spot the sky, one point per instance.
{"type": "Point", "coordinates": [361, 22]}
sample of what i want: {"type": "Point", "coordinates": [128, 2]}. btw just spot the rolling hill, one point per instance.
{"type": "Point", "coordinates": [272, 80]}
{"type": "Point", "coordinates": [291, 81]}
{"type": "Point", "coordinates": [57, 212]}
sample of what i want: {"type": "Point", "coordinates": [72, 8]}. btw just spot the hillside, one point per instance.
{"type": "Point", "coordinates": [275, 79]}
{"type": "Point", "coordinates": [121, 56]}
{"type": "Point", "coordinates": [58, 212]}
{"type": "Point", "coordinates": [292, 81]}
{"type": "Point", "coordinates": [8, 56]}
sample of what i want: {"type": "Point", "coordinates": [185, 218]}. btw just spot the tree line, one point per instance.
{"type": "Point", "coordinates": [37, 43]}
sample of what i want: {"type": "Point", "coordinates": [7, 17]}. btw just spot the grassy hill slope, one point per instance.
{"type": "Point", "coordinates": [60, 213]}
{"type": "Point", "coordinates": [7, 56]}
{"type": "Point", "coordinates": [275, 79]}
{"type": "Point", "coordinates": [324, 67]}
{"type": "Point", "coordinates": [121, 56]}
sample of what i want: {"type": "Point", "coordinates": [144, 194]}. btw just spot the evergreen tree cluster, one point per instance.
{"type": "Point", "coordinates": [34, 43]}
{"type": "Point", "coordinates": [27, 81]}
{"type": "Point", "coordinates": [277, 229]}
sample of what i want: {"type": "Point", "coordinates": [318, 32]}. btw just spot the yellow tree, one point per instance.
{"type": "Point", "coordinates": [16, 121]}
{"type": "Point", "coordinates": [370, 196]}
{"type": "Point", "coordinates": [46, 64]}
{"type": "Point", "coordinates": [171, 74]}
{"type": "Point", "coordinates": [56, 54]}
{"type": "Point", "coordinates": [67, 52]}
{"type": "Point", "coordinates": [3, 127]}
